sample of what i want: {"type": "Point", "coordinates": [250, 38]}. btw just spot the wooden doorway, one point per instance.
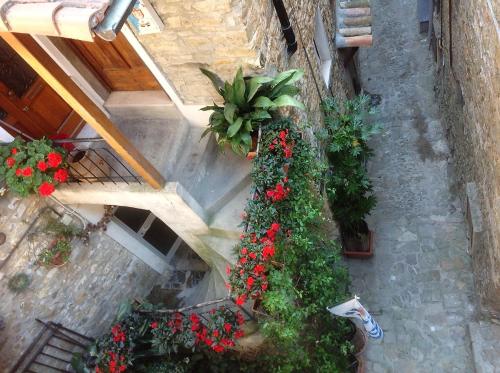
{"type": "Point", "coordinates": [28, 103]}
{"type": "Point", "coordinates": [116, 64]}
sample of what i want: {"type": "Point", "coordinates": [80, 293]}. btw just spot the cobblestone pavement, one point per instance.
{"type": "Point", "coordinates": [419, 284]}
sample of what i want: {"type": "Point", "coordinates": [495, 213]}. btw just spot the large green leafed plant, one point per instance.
{"type": "Point", "coordinates": [349, 187]}
{"type": "Point", "coordinates": [248, 102]}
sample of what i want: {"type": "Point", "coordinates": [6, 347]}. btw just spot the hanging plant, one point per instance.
{"type": "Point", "coordinates": [32, 167]}
{"type": "Point", "coordinates": [248, 102]}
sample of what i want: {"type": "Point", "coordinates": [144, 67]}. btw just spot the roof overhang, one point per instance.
{"type": "Point", "coordinates": [74, 19]}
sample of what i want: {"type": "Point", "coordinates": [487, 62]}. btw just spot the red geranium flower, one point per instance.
{"type": "Point", "coordinates": [250, 281]}
{"type": "Point", "coordinates": [18, 172]}
{"type": "Point", "coordinates": [243, 260]}
{"type": "Point", "coordinates": [252, 255]}
{"type": "Point", "coordinates": [154, 325]}
{"type": "Point", "coordinates": [244, 251]}
{"type": "Point", "coordinates": [13, 151]}
{"type": "Point", "coordinates": [228, 269]}
{"type": "Point", "coordinates": [27, 171]}
{"type": "Point", "coordinates": [238, 334]}
{"type": "Point", "coordinates": [42, 166]}
{"type": "Point", "coordinates": [10, 162]}
{"type": "Point", "coordinates": [227, 327]}
{"type": "Point", "coordinates": [215, 333]}
{"type": "Point", "coordinates": [241, 300]}
{"type": "Point", "coordinates": [218, 348]}
{"type": "Point", "coordinates": [258, 269]}
{"type": "Point", "coordinates": [61, 175]}
{"type": "Point", "coordinates": [54, 159]}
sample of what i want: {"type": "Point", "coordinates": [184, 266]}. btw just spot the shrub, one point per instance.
{"type": "Point", "coordinates": [348, 185]}
{"type": "Point", "coordinates": [19, 282]}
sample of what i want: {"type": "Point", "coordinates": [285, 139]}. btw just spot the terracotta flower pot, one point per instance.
{"type": "Point", "coordinates": [88, 165]}
{"type": "Point", "coordinates": [358, 245]}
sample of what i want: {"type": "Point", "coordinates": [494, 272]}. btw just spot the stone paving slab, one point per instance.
{"type": "Point", "coordinates": [419, 284]}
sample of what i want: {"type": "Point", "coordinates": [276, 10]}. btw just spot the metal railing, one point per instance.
{"type": "Point", "coordinates": [91, 160]}
{"type": "Point", "coordinates": [202, 309]}
{"type": "Point", "coordinates": [52, 350]}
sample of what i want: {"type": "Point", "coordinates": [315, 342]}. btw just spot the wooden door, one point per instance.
{"type": "Point", "coordinates": [116, 64]}
{"type": "Point", "coordinates": [28, 103]}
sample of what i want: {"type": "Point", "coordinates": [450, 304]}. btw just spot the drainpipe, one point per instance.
{"type": "Point", "coordinates": [114, 19]}
{"type": "Point", "coordinates": [286, 27]}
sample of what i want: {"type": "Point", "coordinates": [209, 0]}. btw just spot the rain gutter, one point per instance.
{"type": "Point", "coordinates": [114, 19]}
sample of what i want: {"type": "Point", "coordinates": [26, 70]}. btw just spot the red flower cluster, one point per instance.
{"type": "Point", "coordinates": [280, 142]}
{"type": "Point", "coordinates": [280, 192]}
{"type": "Point", "coordinates": [249, 278]}
{"type": "Point", "coordinates": [46, 189]}
{"type": "Point", "coordinates": [118, 333]}
{"type": "Point", "coordinates": [10, 162]}
{"type": "Point", "coordinates": [218, 333]}
{"type": "Point", "coordinates": [54, 159]}
{"type": "Point", "coordinates": [35, 175]}
{"type": "Point", "coordinates": [116, 363]}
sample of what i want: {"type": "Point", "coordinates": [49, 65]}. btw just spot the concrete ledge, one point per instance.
{"type": "Point", "coordinates": [146, 99]}
{"type": "Point", "coordinates": [484, 338]}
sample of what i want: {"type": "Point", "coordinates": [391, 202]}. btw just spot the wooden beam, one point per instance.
{"type": "Point", "coordinates": [44, 66]}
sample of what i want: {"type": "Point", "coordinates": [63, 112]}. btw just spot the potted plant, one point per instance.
{"type": "Point", "coordinates": [348, 186]}
{"type": "Point", "coordinates": [248, 102]}
{"type": "Point", "coordinates": [56, 254]}
{"type": "Point", "coordinates": [32, 167]}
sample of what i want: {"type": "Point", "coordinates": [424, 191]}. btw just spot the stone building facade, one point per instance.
{"type": "Point", "coordinates": [467, 49]}
{"type": "Point", "coordinates": [222, 35]}
{"type": "Point", "coordinates": [83, 295]}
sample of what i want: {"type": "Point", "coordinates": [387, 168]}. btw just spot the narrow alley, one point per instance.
{"type": "Point", "coordinates": [419, 283]}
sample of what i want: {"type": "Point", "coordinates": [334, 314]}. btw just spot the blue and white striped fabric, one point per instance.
{"type": "Point", "coordinates": [354, 309]}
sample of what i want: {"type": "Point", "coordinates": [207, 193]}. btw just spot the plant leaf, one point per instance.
{"type": "Point", "coordinates": [255, 83]}
{"type": "Point", "coordinates": [285, 100]}
{"type": "Point", "coordinates": [229, 110]}
{"type": "Point", "coordinates": [247, 124]}
{"type": "Point", "coordinates": [239, 88]}
{"type": "Point", "coordinates": [292, 76]}
{"type": "Point", "coordinates": [214, 78]}
{"type": "Point", "coordinates": [263, 102]}
{"type": "Point", "coordinates": [235, 127]}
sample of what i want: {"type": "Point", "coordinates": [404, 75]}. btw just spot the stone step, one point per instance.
{"type": "Point", "coordinates": [485, 337]}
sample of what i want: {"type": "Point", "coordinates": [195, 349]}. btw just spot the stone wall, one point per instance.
{"type": "Point", "coordinates": [468, 80]}
{"type": "Point", "coordinates": [83, 295]}
{"type": "Point", "coordinates": [222, 35]}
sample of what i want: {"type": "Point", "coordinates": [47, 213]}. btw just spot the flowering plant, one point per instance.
{"type": "Point", "coordinates": [248, 279]}
{"type": "Point", "coordinates": [33, 167]}
{"type": "Point", "coordinates": [189, 331]}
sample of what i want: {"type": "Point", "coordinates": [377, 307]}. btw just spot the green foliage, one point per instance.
{"type": "Point", "coordinates": [58, 228]}
{"type": "Point", "coordinates": [56, 254]}
{"type": "Point", "coordinates": [19, 282]}
{"type": "Point", "coordinates": [348, 185]}
{"type": "Point", "coordinates": [248, 101]}
{"type": "Point", "coordinates": [20, 166]}
{"type": "Point", "coordinates": [303, 334]}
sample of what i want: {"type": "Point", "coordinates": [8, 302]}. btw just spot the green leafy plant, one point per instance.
{"type": "Point", "coordinates": [19, 282]}
{"type": "Point", "coordinates": [303, 336]}
{"type": "Point", "coordinates": [349, 187]}
{"type": "Point", "coordinates": [32, 167]}
{"type": "Point", "coordinates": [57, 253]}
{"type": "Point", "coordinates": [248, 102]}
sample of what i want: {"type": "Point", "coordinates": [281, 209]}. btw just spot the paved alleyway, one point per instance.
{"type": "Point", "coordinates": [419, 284]}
